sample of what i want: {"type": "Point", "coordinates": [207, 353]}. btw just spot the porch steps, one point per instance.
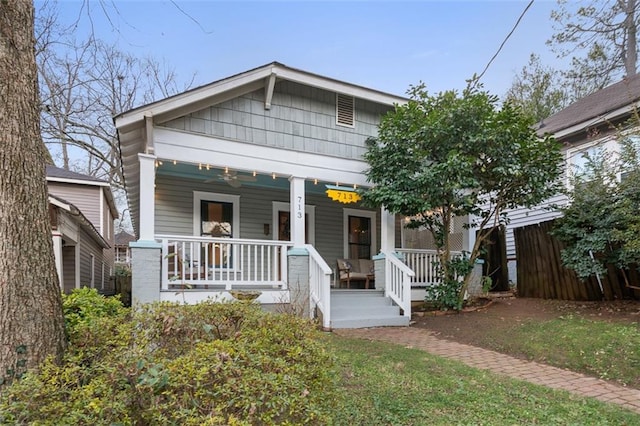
{"type": "Point", "coordinates": [364, 308]}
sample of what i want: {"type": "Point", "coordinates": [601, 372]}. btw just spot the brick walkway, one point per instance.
{"type": "Point", "coordinates": [498, 363]}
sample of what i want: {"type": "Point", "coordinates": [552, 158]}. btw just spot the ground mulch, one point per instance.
{"type": "Point", "coordinates": [479, 323]}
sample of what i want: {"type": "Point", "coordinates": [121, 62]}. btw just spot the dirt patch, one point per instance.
{"type": "Point", "coordinates": [492, 317]}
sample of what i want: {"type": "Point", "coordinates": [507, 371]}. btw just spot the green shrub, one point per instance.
{"type": "Point", "coordinates": [211, 363]}
{"type": "Point", "coordinates": [85, 305]}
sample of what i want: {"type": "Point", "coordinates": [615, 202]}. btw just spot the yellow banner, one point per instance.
{"type": "Point", "coordinates": [344, 197]}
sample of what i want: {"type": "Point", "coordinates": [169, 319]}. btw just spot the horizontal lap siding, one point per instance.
{"type": "Point", "coordinates": [85, 197]}
{"type": "Point", "coordinates": [69, 268]}
{"type": "Point", "coordinates": [523, 217]}
{"type": "Point", "coordinates": [301, 118]}
{"type": "Point", "coordinates": [87, 247]}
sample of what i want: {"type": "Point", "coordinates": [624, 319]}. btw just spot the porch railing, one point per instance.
{"type": "Point", "coordinates": [210, 263]}
{"type": "Point", "coordinates": [319, 286]}
{"type": "Point", "coordinates": [398, 282]}
{"type": "Point", "coordinates": [424, 264]}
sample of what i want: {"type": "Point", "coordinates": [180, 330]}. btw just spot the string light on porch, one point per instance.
{"type": "Point", "coordinates": [199, 166]}
{"type": "Point", "coordinates": [208, 167]}
{"type": "Point", "coordinates": [254, 173]}
{"type": "Point", "coordinates": [315, 181]}
{"type": "Point", "coordinates": [175, 162]}
{"type": "Point", "coordinates": [273, 175]}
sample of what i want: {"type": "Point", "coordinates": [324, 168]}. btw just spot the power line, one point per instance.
{"type": "Point", "coordinates": [476, 79]}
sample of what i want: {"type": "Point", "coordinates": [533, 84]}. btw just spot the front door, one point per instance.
{"type": "Point", "coordinates": [360, 234]}
{"type": "Point", "coordinates": [284, 231]}
{"type": "Point", "coordinates": [281, 228]}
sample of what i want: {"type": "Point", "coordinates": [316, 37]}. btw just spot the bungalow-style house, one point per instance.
{"type": "Point", "coordinates": [250, 183]}
{"type": "Point", "coordinates": [587, 125]}
{"type": "Point", "coordinates": [81, 210]}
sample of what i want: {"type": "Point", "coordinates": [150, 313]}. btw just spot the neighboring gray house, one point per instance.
{"type": "Point", "coordinates": [587, 125]}
{"type": "Point", "coordinates": [82, 211]}
{"type": "Point", "coordinates": [250, 183]}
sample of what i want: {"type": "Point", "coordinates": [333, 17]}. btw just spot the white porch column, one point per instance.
{"type": "Point", "coordinates": [297, 211]}
{"type": "Point", "coordinates": [387, 231]}
{"type": "Point", "coordinates": [147, 197]}
{"type": "Point", "coordinates": [57, 254]}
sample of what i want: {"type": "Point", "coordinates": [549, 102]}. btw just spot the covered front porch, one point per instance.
{"type": "Point", "coordinates": [290, 279]}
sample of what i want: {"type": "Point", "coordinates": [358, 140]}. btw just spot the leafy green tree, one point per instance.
{"type": "Point", "coordinates": [538, 90]}
{"type": "Point", "coordinates": [600, 226]}
{"type": "Point", "coordinates": [449, 155]}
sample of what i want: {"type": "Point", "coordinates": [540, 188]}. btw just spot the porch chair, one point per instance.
{"type": "Point", "coordinates": [355, 270]}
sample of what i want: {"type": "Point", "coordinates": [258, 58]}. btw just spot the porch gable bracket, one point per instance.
{"type": "Point", "coordinates": [270, 84]}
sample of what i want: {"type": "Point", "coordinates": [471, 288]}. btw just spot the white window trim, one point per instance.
{"type": "Point", "coordinates": [278, 206]}
{"type": "Point", "coordinates": [346, 212]}
{"type": "Point", "coordinates": [609, 143]}
{"type": "Point", "coordinates": [199, 196]}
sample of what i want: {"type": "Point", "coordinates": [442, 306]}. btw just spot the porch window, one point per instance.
{"type": "Point", "coordinates": [216, 215]}
{"type": "Point", "coordinates": [216, 219]}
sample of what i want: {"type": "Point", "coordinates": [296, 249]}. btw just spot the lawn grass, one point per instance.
{"type": "Point", "coordinates": [598, 348]}
{"type": "Point", "coordinates": [386, 384]}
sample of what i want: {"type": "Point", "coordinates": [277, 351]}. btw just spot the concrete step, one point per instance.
{"type": "Point", "coordinates": [364, 301]}
{"type": "Point", "coordinates": [364, 308]}
{"type": "Point", "coordinates": [393, 321]}
{"type": "Point", "coordinates": [364, 311]}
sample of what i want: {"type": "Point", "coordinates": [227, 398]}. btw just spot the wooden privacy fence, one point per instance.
{"type": "Point", "coordinates": [123, 288]}
{"type": "Point", "coordinates": [541, 273]}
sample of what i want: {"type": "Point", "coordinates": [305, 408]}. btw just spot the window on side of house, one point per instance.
{"type": "Point", "coordinates": [578, 161]}
{"type": "Point", "coordinates": [634, 141]}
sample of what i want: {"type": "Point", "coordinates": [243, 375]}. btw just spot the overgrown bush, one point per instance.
{"type": "Point", "coordinates": [211, 363]}
{"type": "Point", "coordinates": [445, 295]}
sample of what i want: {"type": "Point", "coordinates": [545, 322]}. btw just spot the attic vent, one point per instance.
{"type": "Point", "coordinates": [345, 110]}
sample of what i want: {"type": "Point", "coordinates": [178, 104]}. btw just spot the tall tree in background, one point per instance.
{"type": "Point", "coordinates": [538, 90]}
{"type": "Point", "coordinates": [600, 38]}
{"type": "Point", "coordinates": [31, 321]}
{"type": "Point", "coordinates": [83, 84]}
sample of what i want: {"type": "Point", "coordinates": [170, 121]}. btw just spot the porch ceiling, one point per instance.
{"type": "Point", "coordinates": [262, 180]}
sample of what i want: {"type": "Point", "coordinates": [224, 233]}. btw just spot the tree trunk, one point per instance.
{"type": "Point", "coordinates": [631, 56]}
{"type": "Point", "coordinates": [31, 321]}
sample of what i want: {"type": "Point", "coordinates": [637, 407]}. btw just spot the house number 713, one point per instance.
{"type": "Point", "coordinates": [299, 214]}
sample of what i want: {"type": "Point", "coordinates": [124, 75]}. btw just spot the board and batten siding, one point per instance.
{"type": "Point", "coordinates": [301, 118]}
{"type": "Point", "coordinates": [174, 212]}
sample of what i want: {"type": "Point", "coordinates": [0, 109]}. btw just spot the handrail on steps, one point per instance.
{"type": "Point", "coordinates": [319, 286]}
{"type": "Point", "coordinates": [398, 282]}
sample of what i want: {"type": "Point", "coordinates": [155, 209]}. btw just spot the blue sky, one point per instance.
{"type": "Point", "coordinates": [385, 45]}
